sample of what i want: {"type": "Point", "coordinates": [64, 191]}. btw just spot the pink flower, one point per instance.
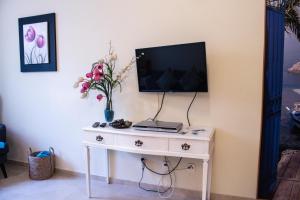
{"type": "Point", "coordinates": [96, 72]}
{"type": "Point", "coordinates": [40, 41]}
{"type": "Point", "coordinates": [89, 75]}
{"type": "Point", "coordinates": [100, 97]}
{"type": "Point", "coordinates": [97, 77]}
{"type": "Point", "coordinates": [99, 66]}
{"type": "Point", "coordinates": [86, 84]}
{"type": "Point", "coordinates": [85, 87]}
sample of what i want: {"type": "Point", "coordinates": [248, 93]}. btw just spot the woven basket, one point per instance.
{"type": "Point", "coordinates": [41, 168]}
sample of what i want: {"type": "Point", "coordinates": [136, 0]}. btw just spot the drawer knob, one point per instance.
{"type": "Point", "coordinates": [99, 138]}
{"type": "Point", "coordinates": [138, 143]}
{"type": "Point", "coordinates": [185, 146]}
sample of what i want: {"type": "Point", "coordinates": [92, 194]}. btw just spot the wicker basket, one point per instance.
{"type": "Point", "coordinates": [41, 168]}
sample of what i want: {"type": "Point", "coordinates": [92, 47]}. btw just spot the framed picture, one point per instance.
{"type": "Point", "coordinates": [37, 43]}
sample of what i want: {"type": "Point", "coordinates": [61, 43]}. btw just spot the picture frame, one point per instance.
{"type": "Point", "coordinates": [37, 40]}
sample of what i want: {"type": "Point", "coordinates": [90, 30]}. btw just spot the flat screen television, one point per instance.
{"type": "Point", "coordinates": [174, 68]}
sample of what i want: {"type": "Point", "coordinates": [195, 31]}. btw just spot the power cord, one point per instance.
{"type": "Point", "coordinates": [188, 110]}
{"type": "Point", "coordinates": [172, 183]}
{"type": "Point", "coordinates": [159, 173]}
{"type": "Point", "coordinates": [169, 173]}
{"type": "Point", "coordinates": [152, 190]}
{"type": "Point", "coordinates": [170, 192]}
{"type": "Point", "coordinates": [158, 106]}
{"type": "Point", "coordinates": [161, 105]}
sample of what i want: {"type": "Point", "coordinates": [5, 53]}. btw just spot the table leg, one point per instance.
{"type": "Point", "coordinates": [209, 178]}
{"type": "Point", "coordinates": [204, 179]}
{"type": "Point", "coordinates": [107, 166]}
{"type": "Point", "coordinates": [88, 173]}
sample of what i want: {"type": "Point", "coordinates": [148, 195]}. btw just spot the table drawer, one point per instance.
{"type": "Point", "coordinates": [145, 143]}
{"type": "Point", "coordinates": [188, 146]}
{"type": "Point", "coordinates": [99, 138]}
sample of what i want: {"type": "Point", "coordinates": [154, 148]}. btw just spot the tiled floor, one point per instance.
{"type": "Point", "coordinates": [289, 176]}
{"type": "Point", "coordinates": [64, 186]}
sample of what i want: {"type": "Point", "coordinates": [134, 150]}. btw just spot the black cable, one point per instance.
{"type": "Point", "coordinates": [158, 173]}
{"type": "Point", "coordinates": [169, 173]}
{"type": "Point", "coordinates": [161, 105]}
{"type": "Point", "coordinates": [188, 110]}
{"type": "Point", "coordinates": [152, 190]}
{"type": "Point", "coordinates": [170, 176]}
{"type": "Point", "coordinates": [140, 182]}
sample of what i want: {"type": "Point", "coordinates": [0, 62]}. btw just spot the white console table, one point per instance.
{"type": "Point", "coordinates": [199, 146]}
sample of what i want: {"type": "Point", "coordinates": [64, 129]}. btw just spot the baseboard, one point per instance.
{"type": "Point", "coordinates": [133, 183]}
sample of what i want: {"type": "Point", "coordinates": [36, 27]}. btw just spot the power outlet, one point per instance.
{"type": "Point", "coordinates": [191, 167]}
{"type": "Point", "coordinates": [165, 166]}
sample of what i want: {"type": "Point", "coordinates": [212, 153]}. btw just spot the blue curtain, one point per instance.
{"type": "Point", "coordinates": [274, 53]}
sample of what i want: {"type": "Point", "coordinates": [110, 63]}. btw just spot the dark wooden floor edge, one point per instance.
{"type": "Point", "coordinates": [288, 179]}
{"type": "Point", "coordinates": [286, 184]}
{"type": "Point", "coordinates": [127, 182]}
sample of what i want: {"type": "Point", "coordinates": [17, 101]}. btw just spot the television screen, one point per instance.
{"type": "Point", "coordinates": [174, 68]}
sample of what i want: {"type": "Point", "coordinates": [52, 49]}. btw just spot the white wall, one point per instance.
{"type": "Point", "coordinates": [42, 109]}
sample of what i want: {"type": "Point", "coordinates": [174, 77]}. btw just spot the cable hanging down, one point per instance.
{"type": "Point", "coordinates": [188, 110]}
{"type": "Point", "coordinates": [153, 190]}
{"type": "Point", "coordinates": [169, 173]}
{"type": "Point", "coordinates": [161, 105]}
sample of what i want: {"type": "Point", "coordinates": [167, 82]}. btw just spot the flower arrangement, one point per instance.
{"type": "Point", "coordinates": [102, 78]}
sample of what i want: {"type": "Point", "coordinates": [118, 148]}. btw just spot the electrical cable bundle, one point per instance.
{"type": "Point", "coordinates": [170, 173]}
{"type": "Point", "coordinates": [187, 112]}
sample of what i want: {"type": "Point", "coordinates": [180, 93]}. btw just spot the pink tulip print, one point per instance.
{"type": "Point", "coordinates": [40, 41]}
{"type": "Point", "coordinates": [30, 34]}
{"type": "Point", "coordinates": [36, 43]}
